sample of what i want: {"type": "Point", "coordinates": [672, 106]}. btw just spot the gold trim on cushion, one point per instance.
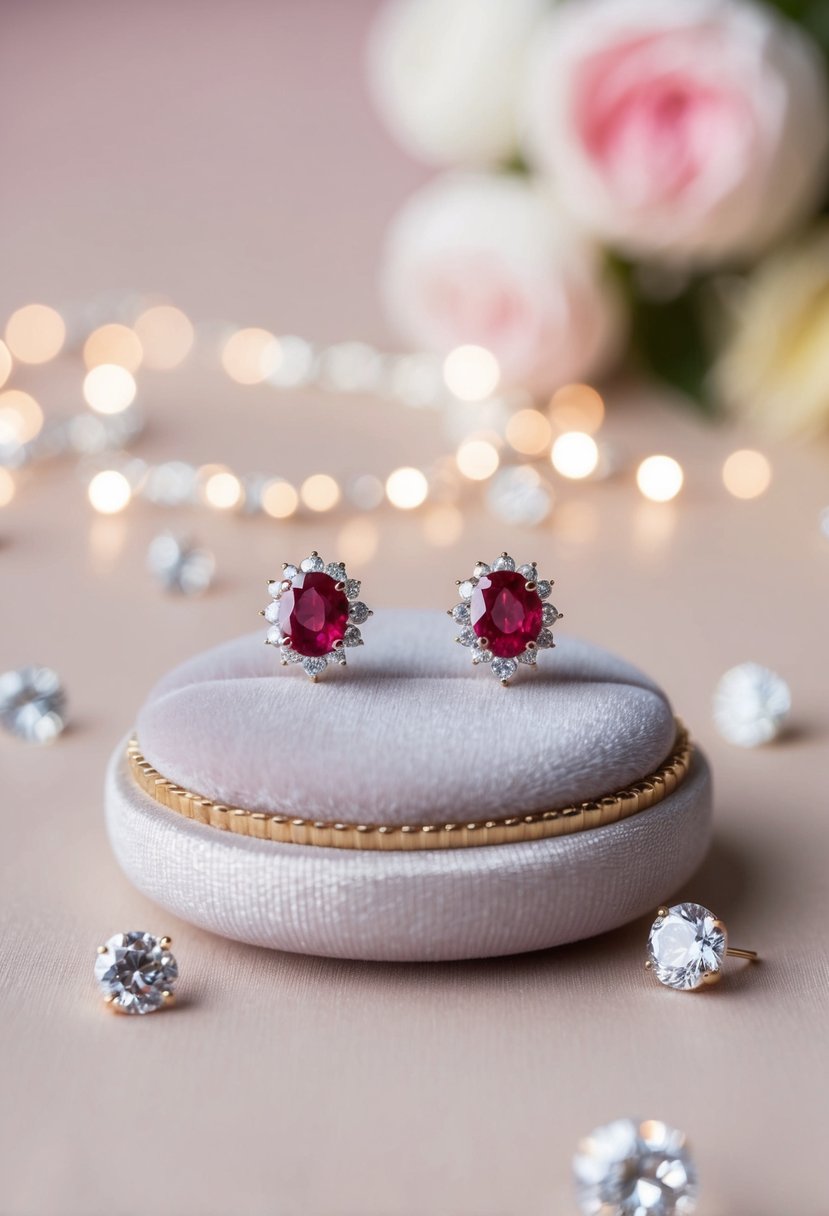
{"type": "Point", "coordinates": [538, 825]}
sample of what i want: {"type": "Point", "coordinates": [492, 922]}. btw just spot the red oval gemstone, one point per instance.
{"type": "Point", "coordinates": [504, 612]}
{"type": "Point", "coordinates": [313, 614]}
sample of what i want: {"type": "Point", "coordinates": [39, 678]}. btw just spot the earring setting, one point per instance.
{"type": "Point", "coordinates": [503, 617]}
{"type": "Point", "coordinates": [314, 614]}
{"type": "Point", "coordinates": [136, 972]}
{"type": "Point", "coordinates": [687, 947]}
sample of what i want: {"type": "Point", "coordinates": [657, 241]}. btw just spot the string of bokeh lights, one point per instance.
{"type": "Point", "coordinates": [517, 455]}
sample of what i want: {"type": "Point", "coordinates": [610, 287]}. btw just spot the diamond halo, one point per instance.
{"type": "Point", "coordinates": [315, 613]}
{"type": "Point", "coordinates": [503, 615]}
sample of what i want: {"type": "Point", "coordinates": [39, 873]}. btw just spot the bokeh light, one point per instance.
{"type": "Point", "coordinates": [577, 407]}
{"type": "Point", "coordinates": [443, 525]}
{"type": "Point", "coordinates": [113, 344]}
{"type": "Point", "coordinates": [319, 492]}
{"type": "Point", "coordinates": [5, 363]}
{"type": "Point", "coordinates": [249, 356]}
{"type": "Point", "coordinates": [7, 487]}
{"type": "Point", "coordinates": [406, 488]}
{"type": "Point", "coordinates": [528, 432]}
{"type": "Point", "coordinates": [20, 416]}
{"type": "Point", "coordinates": [35, 333]}
{"type": "Point", "coordinates": [575, 455]}
{"type": "Point", "coordinates": [222, 490]}
{"type": "Point", "coordinates": [477, 459]}
{"type": "Point", "coordinates": [166, 336]}
{"type": "Point", "coordinates": [109, 389]}
{"type": "Point", "coordinates": [471, 373]}
{"type": "Point", "coordinates": [659, 478]}
{"type": "Point", "coordinates": [746, 473]}
{"type": "Point", "coordinates": [358, 541]}
{"type": "Point", "coordinates": [109, 492]}
{"type": "Point", "coordinates": [279, 499]}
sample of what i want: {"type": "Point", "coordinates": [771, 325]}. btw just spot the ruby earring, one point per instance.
{"type": "Point", "coordinates": [503, 615]}
{"type": "Point", "coordinates": [314, 614]}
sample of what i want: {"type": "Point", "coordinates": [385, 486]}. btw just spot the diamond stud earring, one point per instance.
{"type": "Point", "coordinates": [628, 1167]}
{"type": "Point", "coordinates": [136, 972]}
{"type": "Point", "coordinates": [503, 617]}
{"type": "Point", "coordinates": [314, 614]}
{"type": "Point", "coordinates": [687, 946]}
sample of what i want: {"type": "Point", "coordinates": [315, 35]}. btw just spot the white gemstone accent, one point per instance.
{"type": "Point", "coordinates": [481, 569]}
{"type": "Point", "coordinates": [468, 636]}
{"type": "Point", "coordinates": [503, 669]}
{"type": "Point", "coordinates": [134, 971]}
{"type": "Point", "coordinates": [312, 564]}
{"type": "Point", "coordinates": [544, 640]}
{"type": "Point", "coordinates": [530, 657]}
{"type": "Point", "coordinates": [272, 612]}
{"type": "Point", "coordinates": [337, 656]}
{"type": "Point", "coordinates": [352, 588]}
{"type": "Point", "coordinates": [275, 588]}
{"type": "Point", "coordinates": [685, 946]}
{"type": "Point", "coordinates": [751, 705]}
{"type": "Point", "coordinates": [549, 614]}
{"type": "Point", "coordinates": [466, 588]}
{"type": "Point", "coordinates": [529, 571]}
{"type": "Point", "coordinates": [289, 574]}
{"type": "Point", "coordinates": [313, 667]}
{"type": "Point", "coordinates": [544, 588]}
{"type": "Point", "coordinates": [460, 614]}
{"type": "Point", "coordinates": [352, 636]}
{"type": "Point", "coordinates": [635, 1169]}
{"type": "Point", "coordinates": [481, 656]}
{"type": "Point", "coordinates": [337, 571]}
{"type": "Point", "coordinates": [32, 704]}
{"type": "Point", "coordinates": [504, 563]}
{"type": "Point", "coordinates": [274, 636]}
{"type": "Point", "coordinates": [358, 613]}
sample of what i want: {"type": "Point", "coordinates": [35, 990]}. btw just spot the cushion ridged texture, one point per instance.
{"type": "Point", "coordinates": [408, 733]}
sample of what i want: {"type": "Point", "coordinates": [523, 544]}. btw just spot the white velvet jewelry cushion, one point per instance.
{"type": "Point", "coordinates": [409, 732]}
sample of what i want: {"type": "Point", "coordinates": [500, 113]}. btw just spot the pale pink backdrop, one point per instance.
{"type": "Point", "coordinates": [227, 155]}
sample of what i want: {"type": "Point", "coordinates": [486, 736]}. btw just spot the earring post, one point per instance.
{"type": "Point", "coordinates": [735, 952]}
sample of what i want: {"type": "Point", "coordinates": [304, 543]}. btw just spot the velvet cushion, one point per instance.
{"type": "Point", "coordinates": [409, 732]}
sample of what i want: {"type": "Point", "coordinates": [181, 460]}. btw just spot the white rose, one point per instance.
{"type": "Point", "coordinates": [490, 260]}
{"type": "Point", "coordinates": [446, 75]}
{"type": "Point", "coordinates": [689, 129]}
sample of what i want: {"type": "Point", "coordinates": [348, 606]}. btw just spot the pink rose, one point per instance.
{"type": "Point", "coordinates": [490, 260]}
{"type": "Point", "coordinates": [691, 129]}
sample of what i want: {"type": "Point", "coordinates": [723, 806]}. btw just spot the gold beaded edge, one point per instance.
{"type": "Point", "coordinates": [539, 825]}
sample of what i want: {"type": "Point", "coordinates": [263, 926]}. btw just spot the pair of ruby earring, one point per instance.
{"type": "Point", "coordinates": [504, 617]}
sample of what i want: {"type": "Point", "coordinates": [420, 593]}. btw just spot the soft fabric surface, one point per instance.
{"type": "Point", "coordinates": [446, 904]}
{"type": "Point", "coordinates": [409, 732]}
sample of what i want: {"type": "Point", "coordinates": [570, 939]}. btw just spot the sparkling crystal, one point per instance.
{"type": "Point", "coordinates": [358, 612]}
{"type": "Point", "coordinates": [313, 667]}
{"type": "Point", "coordinates": [544, 588]}
{"type": "Point", "coordinates": [751, 705]}
{"type": "Point", "coordinates": [313, 614]}
{"type": "Point", "coordinates": [518, 495]}
{"type": "Point", "coordinates": [544, 640]}
{"type": "Point", "coordinates": [530, 657]}
{"type": "Point", "coordinates": [504, 562]}
{"type": "Point", "coordinates": [272, 612]}
{"type": "Point", "coordinates": [529, 571]}
{"type": "Point", "coordinates": [504, 668]}
{"type": "Point", "coordinates": [504, 612]}
{"type": "Point", "coordinates": [686, 945]}
{"type": "Point", "coordinates": [549, 614]}
{"type": "Point", "coordinates": [179, 566]}
{"type": "Point", "coordinates": [312, 564]}
{"type": "Point", "coordinates": [468, 637]}
{"type": "Point", "coordinates": [32, 704]}
{"type": "Point", "coordinates": [352, 636]}
{"type": "Point", "coordinates": [481, 568]}
{"type": "Point", "coordinates": [289, 572]}
{"type": "Point", "coordinates": [628, 1168]}
{"type": "Point", "coordinates": [481, 656]}
{"type": "Point", "coordinates": [336, 570]}
{"type": "Point", "coordinates": [352, 588]}
{"type": "Point", "coordinates": [274, 636]}
{"type": "Point", "coordinates": [134, 971]}
{"type": "Point", "coordinates": [460, 614]}
{"type": "Point", "coordinates": [466, 588]}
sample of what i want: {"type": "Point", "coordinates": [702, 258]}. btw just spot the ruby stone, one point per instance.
{"type": "Point", "coordinates": [313, 614]}
{"type": "Point", "coordinates": [504, 612]}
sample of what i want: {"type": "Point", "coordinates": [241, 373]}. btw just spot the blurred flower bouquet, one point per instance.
{"type": "Point", "coordinates": [627, 177]}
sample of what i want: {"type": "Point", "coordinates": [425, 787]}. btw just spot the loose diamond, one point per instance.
{"type": "Point", "coordinates": [505, 613]}
{"type": "Point", "coordinates": [751, 705]}
{"type": "Point", "coordinates": [358, 613]}
{"type": "Point", "coordinates": [314, 667]}
{"type": "Point", "coordinates": [504, 669]}
{"type": "Point", "coordinates": [313, 614]}
{"type": "Point", "coordinates": [32, 704]}
{"type": "Point", "coordinates": [179, 566]}
{"type": "Point", "coordinates": [635, 1169]}
{"type": "Point", "coordinates": [136, 972]}
{"type": "Point", "coordinates": [686, 946]}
